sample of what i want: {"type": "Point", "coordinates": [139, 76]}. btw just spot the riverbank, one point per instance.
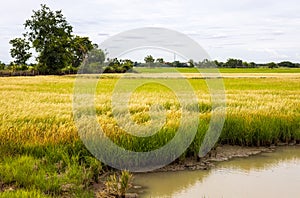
{"type": "Point", "coordinates": [219, 154]}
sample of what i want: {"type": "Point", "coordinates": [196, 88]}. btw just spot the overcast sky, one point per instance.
{"type": "Point", "coordinates": [252, 30]}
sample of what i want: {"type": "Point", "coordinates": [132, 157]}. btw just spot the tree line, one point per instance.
{"type": "Point", "coordinates": [230, 63]}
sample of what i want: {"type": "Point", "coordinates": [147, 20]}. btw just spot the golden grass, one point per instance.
{"type": "Point", "coordinates": [38, 110]}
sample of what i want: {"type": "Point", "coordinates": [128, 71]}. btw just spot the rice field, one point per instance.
{"type": "Point", "coordinates": [37, 124]}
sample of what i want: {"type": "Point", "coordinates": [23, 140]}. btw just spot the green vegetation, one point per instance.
{"type": "Point", "coordinates": [23, 194]}
{"type": "Point", "coordinates": [42, 155]}
{"type": "Point", "coordinates": [20, 51]}
{"type": "Point", "coordinates": [117, 185]}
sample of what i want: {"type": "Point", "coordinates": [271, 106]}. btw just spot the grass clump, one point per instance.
{"type": "Point", "coordinates": [23, 193]}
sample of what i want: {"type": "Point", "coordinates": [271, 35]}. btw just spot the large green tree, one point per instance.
{"type": "Point", "coordinates": [20, 51]}
{"type": "Point", "coordinates": [51, 37]}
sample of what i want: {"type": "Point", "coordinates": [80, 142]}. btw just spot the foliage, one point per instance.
{"type": "Point", "coordinates": [94, 61]}
{"type": "Point", "coordinates": [272, 65]}
{"type": "Point", "coordinates": [24, 194]}
{"type": "Point", "coordinates": [233, 63]}
{"type": "Point", "coordinates": [2, 66]}
{"type": "Point", "coordinates": [179, 64]}
{"type": "Point", "coordinates": [160, 60]}
{"type": "Point", "coordinates": [96, 55]}
{"type": "Point", "coordinates": [287, 64]}
{"type": "Point", "coordinates": [149, 59]}
{"type": "Point", "coordinates": [191, 63]}
{"type": "Point", "coordinates": [20, 51]}
{"type": "Point", "coordinates": [119, 185]}
{"type": "Point", "coordinates": [54, 171]}
{"type": "Point", "coordinates": [81, 46]}
{"type": "Point", "coordinates": [118, 66]}
{"type": "Point", "coordinates": [50, 34]}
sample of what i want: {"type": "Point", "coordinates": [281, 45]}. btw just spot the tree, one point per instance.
{"type": "Point", "coordinates": [218, 64]}
{"type": "Point", "coordinates": [2, 66]}
{"type": "Point", "coordinates": [191, 63]}
{"type": "Point", "coordinates": [149, 59]}
{"type": "Point", "coordinates": [272, 65]}
{"type": "Point", "coordinates": [287, 64]}
{"type": "Point", "coordinates": [118, 66]}
{"type": "Point", "coordinates": [160, 60]}
{"type": "Point", "coordinates": [96, 56]}
{"type": "Point", "coordinates": [20, 51]}
{"type": "Point", "coordinates": [246, 64]}
{"type": "Point", "coordinates": [51, 37]}
{"type": "Point", "coordinates": [252, 64]}
{"type": "Point", "coordinates": [80, 47]}
{"type": "Point", "coordinates": [206, 64]}
{"type": "Point", "coordinates": [127, 64]}
{"type": "Point", "coordinates": [233, 63]}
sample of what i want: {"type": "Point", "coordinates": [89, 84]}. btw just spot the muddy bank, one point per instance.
{"type": "Point", "coordinates": [221, 153]}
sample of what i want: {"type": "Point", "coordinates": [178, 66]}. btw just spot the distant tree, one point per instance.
{"type": "Point", "coordinates": [272, 65]}
{"type": "Point", "coordinates": [191, 63]}
{"type": "Point", "coordinates": [176, 64]}
{"type": "Point", "coordinates": [160, 60]}
{"type": "Point", "coordinates": [20, 51]}
{"type": "Point", "coordinates": [252, 64]}
{"type": "Point", "coordinates": [218, 64]}
{"type": "Point", "coordinates": [2, 66]}
{"type": "Point", "coordinates": [127, 64]}
{"type": "Point", "coordinates": [50, 34]}
{"type": "Point", "coordinates": [233, 63]}
{"type": "Point", "coordinates": [118, 66]}
{"type": "Point", "coordinates": [206, 64]}
{"type": "Point", "coordinates": [287, 64]}
{"type": "Point", "coordinates": [245, 64]}
{"type": "Point", "coordinates": [149, 59]}
{"type": "Point", "coordinates": [96, 56]}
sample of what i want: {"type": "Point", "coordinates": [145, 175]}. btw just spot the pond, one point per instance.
{"type": "Point", "coordinates": [275, 174]}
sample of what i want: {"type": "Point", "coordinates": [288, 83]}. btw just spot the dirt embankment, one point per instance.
{"type": "Point", "coordinates": [221, 153]}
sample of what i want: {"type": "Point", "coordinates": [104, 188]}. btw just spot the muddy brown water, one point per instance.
{"type": "Point", "coordinates": [274, 174]}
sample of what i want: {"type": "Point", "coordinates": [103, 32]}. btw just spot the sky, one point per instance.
{"type": "Point", "coordinates": [251, 30]}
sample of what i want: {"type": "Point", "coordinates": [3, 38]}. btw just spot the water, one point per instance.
{"type": "Point", "coordinates": [274, 174]}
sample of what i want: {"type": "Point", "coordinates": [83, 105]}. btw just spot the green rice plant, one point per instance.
{"type": "Point", "coordinates": [119, 185]}
{"type": "Point", "coordinates": [23, 193]}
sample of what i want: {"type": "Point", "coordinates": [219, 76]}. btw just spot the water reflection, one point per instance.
{"type": "Point", "coordinates": [267, 175]}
